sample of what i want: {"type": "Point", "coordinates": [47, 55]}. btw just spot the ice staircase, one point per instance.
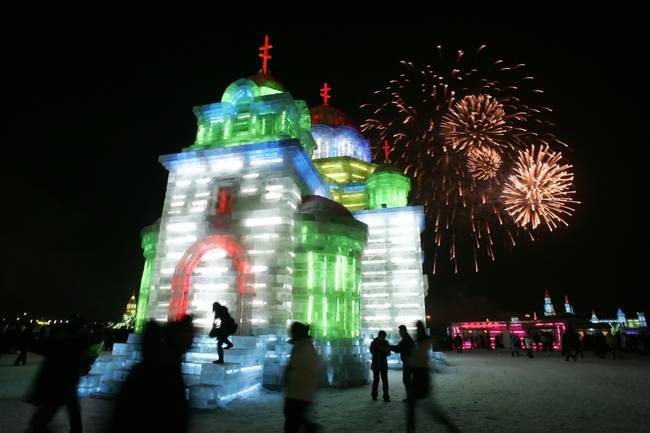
{"type": "Point", "coordinates": [208, 385]}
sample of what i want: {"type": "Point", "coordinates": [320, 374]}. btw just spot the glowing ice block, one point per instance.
{"type": "Point", "coordinates": [344, 169]}
{"type": "Point", "coordinates": [149, 237]}
{"type": "Point", "coordinates": [341, 141]}
{"type": "Point", "coordinates": [327, 269]}
{"type": "Point", "coordinates": [263, 184]}
{"type": "Point", "coordinates": [392, 287]}
{"type": "Point", "coordinates": [251, 112]}
{"type": "Point", "coordinates": [387, 187]}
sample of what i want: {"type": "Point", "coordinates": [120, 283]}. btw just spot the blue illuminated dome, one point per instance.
{"type": "Point", "coordinates": [341, 141]}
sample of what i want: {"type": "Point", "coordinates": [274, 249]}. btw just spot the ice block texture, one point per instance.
{"type": "Point", "coordinates": [327, 272]}
{"type": "Point", "coordinates": [392, 286]}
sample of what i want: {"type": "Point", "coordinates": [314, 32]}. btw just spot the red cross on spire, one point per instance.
{"type": "Point", "coordinates": [386, 151]}
{"type": "Point", "coordinates": [264, 53]}
{"type": "Point", "coordinates": [324, 93]}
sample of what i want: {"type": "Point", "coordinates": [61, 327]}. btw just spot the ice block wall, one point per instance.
{"type": "Point", "coordinates": [265, 181]}
{"type": "Point", "coordinates": [392, 287]}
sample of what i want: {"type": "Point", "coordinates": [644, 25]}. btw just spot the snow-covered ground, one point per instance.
{"type": "Point", "coordinates": [481, 391]}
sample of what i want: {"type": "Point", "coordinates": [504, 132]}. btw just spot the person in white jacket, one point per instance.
{"type": "Point", "coordinates": [300, 380]}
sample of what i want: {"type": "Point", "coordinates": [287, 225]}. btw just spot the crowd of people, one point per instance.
{"type": "Point", "coordinates": [18, 336]}
{"type": "Point", "coordinates": [69, 350]}
{"type": "Point", "coordinates": [153, 397]}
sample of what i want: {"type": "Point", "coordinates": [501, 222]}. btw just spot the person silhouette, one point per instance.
{"type": "Point", "coordinates": [380, 350]}
{"type": "Point", "coordinates": [458, 343]}
{"type": "Point", "coordinates": [300, 380]}
{"type": "Point", "coordinates": [226, 328]}
{"type": "Point", "coordinates": [152, 398]}
{"type": "Point", "coordinates": [421, 383]}
{"type": "Point", "coordinates": [405, 349]}
{"type": "Point", "coordinates": [58, 377]}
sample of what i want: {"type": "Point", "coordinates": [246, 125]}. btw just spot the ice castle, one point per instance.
{"type": "Point", "coordinates": [277, 212]}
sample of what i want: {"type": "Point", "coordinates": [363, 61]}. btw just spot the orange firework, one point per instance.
{"type": "Point", "coordinates": [483, 163]}
{"type": "Point", "coordinates": [540, 190]}
{"type": "Point", "coordinates": [476, 121]}
{"type": "Point", "coordinates": [456, 127]}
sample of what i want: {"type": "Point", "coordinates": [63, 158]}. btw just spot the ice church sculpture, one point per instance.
{"type": "Point", "coordinates": [277, 212]}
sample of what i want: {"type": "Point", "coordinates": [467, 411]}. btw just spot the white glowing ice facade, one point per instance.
{"type": "Point", "coordinates": [392, 286]}
{"type": "Point", "coordinates": [265, 182]}
{"type": "Point", "coordinates": [226, 234]}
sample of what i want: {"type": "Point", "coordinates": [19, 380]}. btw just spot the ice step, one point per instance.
{"type": "Point", "coordinates": [207, 344]}
{"type": "Point", "coordinates": [232, 355]}
{"type": "Point", "coordinates": [218, 374]}
{"type": "Point", "coordinates": [208, 385]}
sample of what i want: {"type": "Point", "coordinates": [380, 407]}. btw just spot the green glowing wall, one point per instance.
{"type": "Point", "coordinates": [327, 275]}
{"type": "Point", "coordinates": [149, 237]}
{"type": "Point", "coordinates": [250, 113]}
{"type": "Point", "coordinates": [388, 189]}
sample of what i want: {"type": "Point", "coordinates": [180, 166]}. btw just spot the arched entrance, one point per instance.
{"type": "Point", "coordinates": [180, 290]}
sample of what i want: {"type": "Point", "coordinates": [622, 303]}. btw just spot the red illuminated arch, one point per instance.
{"type": "Point", "coordinates": [180, 289]}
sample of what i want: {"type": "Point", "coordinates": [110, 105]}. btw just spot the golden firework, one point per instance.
{"type": "Point", "coordinates": [483, 163]}
{"type": "Point", "coordinates": [540, 190]}
{"type": "Point", "coordinates": [476, 121]}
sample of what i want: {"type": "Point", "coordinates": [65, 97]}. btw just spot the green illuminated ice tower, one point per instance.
{"type": "Point", "coordinates": [327, 287]}
{"type": "Point", "coordinates": [327, 269]}
{"type": "Point", "coordinates": [149, 237]}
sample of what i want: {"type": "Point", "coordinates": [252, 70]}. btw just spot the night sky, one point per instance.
{"type": "Point", "coordinates": [93, 97]}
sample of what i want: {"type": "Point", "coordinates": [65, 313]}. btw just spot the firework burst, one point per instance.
{"type": "Point", "coordinates": [483, 163]}
{"type": "Point", "coordinates": [456, 128]}
{"type": "Point", "coordinates": [476, 121]}
{"type": "Point", "coordinates": [540, 190]}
